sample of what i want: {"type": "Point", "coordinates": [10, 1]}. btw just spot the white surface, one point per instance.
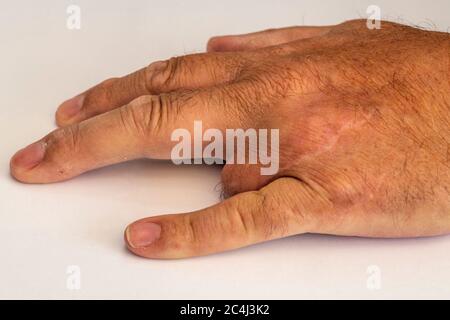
{"type": "Point", "coordinates": [44, 229]}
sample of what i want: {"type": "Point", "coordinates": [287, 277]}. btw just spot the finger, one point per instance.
{"type": "Point", "coordinates": [142, 128]}
{"type": "Point", "coordinates": [240, 221]}
{"type": "Point", "coordinates": [263, 38]}
{"type": "Point", "coordinates": [186, 72]}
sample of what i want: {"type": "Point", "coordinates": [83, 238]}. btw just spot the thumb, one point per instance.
{"type": "Point", "coordinates": [263, 39]}
{"type": "Point", "coordinates": [245, 219]}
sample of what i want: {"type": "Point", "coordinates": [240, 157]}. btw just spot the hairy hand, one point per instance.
{"type": "Point", "coordinates": [364, 120]}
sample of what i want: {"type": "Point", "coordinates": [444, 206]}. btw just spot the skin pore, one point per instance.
{"type": "Point", "coordinates": [364, 127]}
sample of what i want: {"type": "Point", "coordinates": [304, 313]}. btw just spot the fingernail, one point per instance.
{"type": "Point", "coordinates": [31, 156]}
{"type": "Point", "coordinates": [71, 107]}
{"type": "Point", "coordinates": [142, 234]}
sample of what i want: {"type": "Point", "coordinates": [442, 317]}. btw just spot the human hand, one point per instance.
{"type": "Point", "coordinates": [364, 118]}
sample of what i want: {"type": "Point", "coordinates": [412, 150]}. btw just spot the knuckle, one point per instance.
{"type": "Point", "coordinates": [270, 30]}
{"type": "Point", "coordinates": [216, 43]}
{"type": "Point", "coordinates": [193, 71]}
{"type": "Point", "coordinates": [357, 22]}
{"type": "Point", "coordinates": [196, 232]}
{"type": "Point", "coordinates": [159, 112]}
{"type": "Point", "coordinates": [161, 76]}
{"type": "Point", "coordinates": [147, 115]}
{"type": "Point", "coordinates": [132, 116]}
{"type": "Point", "coordinates": [354, 24]}
{"type": "Point", "coordinates": [249, 219]}
{"type": "Point", "coordinates": [67, 140]}
{"type": "Point", "coordinates": [259, 215]}
{"type": "Point", "coordinates": [354, 27]}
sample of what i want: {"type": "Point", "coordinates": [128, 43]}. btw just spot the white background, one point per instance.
{"type": "Point", "coordinates": [46, 228]}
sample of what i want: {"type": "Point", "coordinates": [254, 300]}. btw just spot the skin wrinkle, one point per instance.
{"type": "Point", "coordinates": [363, 117]}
